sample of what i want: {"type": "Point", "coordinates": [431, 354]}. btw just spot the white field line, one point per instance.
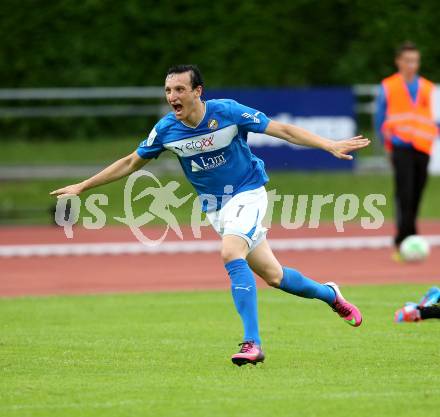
{"type": "Point", "coordinates": [123, 248]}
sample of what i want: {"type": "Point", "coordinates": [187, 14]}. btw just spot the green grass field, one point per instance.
{"type": "Point", "coordinates": [59, 152]}
{"type": "Point", "coordinates": [167, 354]}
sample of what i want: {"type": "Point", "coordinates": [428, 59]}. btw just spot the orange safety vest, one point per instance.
{"type": "Point", "coordinates": [410, 121]}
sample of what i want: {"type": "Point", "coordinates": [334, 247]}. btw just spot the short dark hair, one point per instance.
{"type": "Point", "coordinates": [405, 47]}
{"type": "Point", "coordinates": [195, 74]}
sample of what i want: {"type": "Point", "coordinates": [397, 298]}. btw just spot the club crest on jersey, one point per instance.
{"type": "Point", "coordinates": [212, 124]}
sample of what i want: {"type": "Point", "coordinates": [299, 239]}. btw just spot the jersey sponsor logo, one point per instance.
{"type": "Point", "coordinates": [254, 117]}
{"type": "Point", "coordinates": [203, 143]}
{"type": "Point", "coordinates": [199, 144]}
{"type": "Point", "coordinates": [212, 124]}
{"type": "Point", "coordinates": [204, 163]}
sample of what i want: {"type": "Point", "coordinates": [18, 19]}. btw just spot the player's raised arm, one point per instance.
{"type": "Point", "coordinates": [119, 169]}
{"type": "Point", "coordinates": [300, 136]}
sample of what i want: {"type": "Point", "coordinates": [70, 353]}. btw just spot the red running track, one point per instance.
{"type": "Point", "coordinates": [172, 272]}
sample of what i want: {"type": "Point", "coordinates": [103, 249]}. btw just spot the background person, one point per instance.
{"type": "Point", "coordinates": [404, 120]}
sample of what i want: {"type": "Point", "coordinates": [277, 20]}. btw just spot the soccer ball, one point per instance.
{"type": "Point", "coordinates": [414, 248]}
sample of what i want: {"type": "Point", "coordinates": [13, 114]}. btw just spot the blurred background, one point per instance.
{"type": "Point", "coordinates": [81, 84]}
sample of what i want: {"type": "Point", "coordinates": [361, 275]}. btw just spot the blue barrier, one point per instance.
{"type": "Point", "coordinates": [325, 111]}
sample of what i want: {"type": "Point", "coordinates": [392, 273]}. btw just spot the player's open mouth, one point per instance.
{"type": "Point", "coordinates": [177, 109]}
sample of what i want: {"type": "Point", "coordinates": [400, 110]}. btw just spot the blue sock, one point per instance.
{"type": "Point", "coordinates": [294, 282]}
{"type": "Point", "coordinates": [244, 293]}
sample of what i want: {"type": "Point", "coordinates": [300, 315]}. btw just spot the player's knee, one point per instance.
{"type": "Point", "coordinates": [233, 247]}
{"type": "Point", "coordinates": [274, 281]}
{"type": "Point", "coordinates": [229, 254]}
{"type": "Point", "coordinates": [272, 275]}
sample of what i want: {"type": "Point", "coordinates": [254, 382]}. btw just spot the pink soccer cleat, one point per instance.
{"type": "Point", "coordinates": [250, 352]}
{"type": "Point", "coordinates": [349, 312]}
{"type": "Point", "coordinates": [408, 313]}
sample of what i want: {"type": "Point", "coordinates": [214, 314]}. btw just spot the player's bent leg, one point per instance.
{"type": "Point", "coordinates": [244, 294]}
{"type": "Point", "coordinates": [264, 263]}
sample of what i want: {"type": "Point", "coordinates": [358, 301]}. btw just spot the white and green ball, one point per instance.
{"type": "Point", "coordinates": [414, 249]}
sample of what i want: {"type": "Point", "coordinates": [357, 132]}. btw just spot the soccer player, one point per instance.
{"type": "Point", "coordinates": [210, 141]}
{"type": "Point", "coordinates": [427, 308]}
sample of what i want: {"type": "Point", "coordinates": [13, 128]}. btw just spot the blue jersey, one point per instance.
{"type": "Point", "coordinates": [214, 155]}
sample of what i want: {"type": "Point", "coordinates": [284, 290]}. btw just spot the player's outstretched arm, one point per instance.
{"type": "Point", "coordinates": [300, 136]}
{"type": "Point", "coordinates": [119, 169]}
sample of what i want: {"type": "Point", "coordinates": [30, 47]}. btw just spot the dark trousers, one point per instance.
{"type": "Point", "coordinates": [431, 312]}
{"type": "Point", "coordinates": [410, 175]}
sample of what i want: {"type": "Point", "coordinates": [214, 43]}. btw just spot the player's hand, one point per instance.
{"type": "Point", "coordinates": [341, 148]}
{"type": "Point", "coordinates": [74, 189]}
